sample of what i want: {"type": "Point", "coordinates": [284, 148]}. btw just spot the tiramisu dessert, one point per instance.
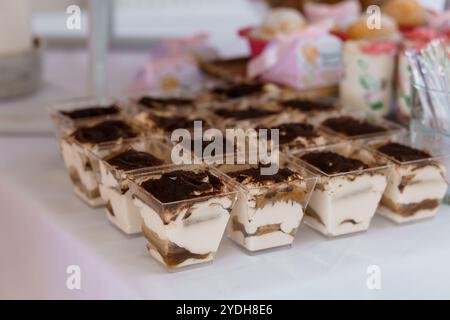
{"type": "Point", "coordinates": [360, 126]}
{"type": "Point", "coordinates": [113, 184]}
{"type": "Point", "coordinates": [67, 116]}
{"type": "Point", "coordinates": [102, 137]}
{"type": "Point", "coordinates": [239, 90]}
{"type": "Point", "coordinates": [163, 125]}
{"type": "Point", "coordinates": [210, 151]}
{"type": "Point", "coordinates": [247, 116]}
{"type": "Point", "coordinates": [185, 211]}
{"type": "Point", "coordinates": [417, 183]}
{"type": "Point", "coordinates": [269, 208]}
{"type": "Point", "coordinates": [171, 105]}
{"type": "Point", "coordinates": [91, 112]}
{"type": "Point", "coordinates": [299, 135]}
{"type": "Point", "coordinates": [309, 109]}
{"type": "Point", "coordinates": [351, 182]}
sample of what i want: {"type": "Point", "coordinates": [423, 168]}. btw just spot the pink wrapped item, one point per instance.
{"type": "Point", "coordinates": [308, 59]}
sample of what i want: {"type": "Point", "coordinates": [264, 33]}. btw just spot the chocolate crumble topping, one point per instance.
{"type": "Point", "coordinates": [132, 159]}
{"type": "Point", "coordinates": [153, 102]}
{"type": "Point", "coordinates": [290, 131]}
{"type": "Point", "coordinates": [250, 113]}
{"type": "Point", "coordinates": [403, 153]}
{"type": "Point", "coordinates": [105, 131]}
{"type": "Point", "coordinates": [254, 175]}
{"type": "Point", "coordinates": [331, 163]}
{"type": "Point", "coordinates": [352, 127]}
{"type": "Point", "coordinates": [307, 105]}
{"type": "Point", "coordinates": [239, 90]}
{"type": "Point", "coordinates": [182, 185]}
{"type": "Point", "coordinates": [91, 112]}
{"type": "Point", "coordinates": [169, 124]}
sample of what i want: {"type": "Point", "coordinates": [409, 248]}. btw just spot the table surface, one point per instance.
{"type": "Point", "coordinates": [44, 228]}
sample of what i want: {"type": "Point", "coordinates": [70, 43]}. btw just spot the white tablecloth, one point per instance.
{"type": "Point", "coordinates": [44, 228]}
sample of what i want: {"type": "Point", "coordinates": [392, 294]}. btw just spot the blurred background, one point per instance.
{"type": "Point", "coordinates": [138, 22]}
{"type": "Point", "coordinates": [135, 27]}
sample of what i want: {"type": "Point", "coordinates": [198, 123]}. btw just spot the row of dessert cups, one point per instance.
{"type": "Point", "coordinates": [191, 239]}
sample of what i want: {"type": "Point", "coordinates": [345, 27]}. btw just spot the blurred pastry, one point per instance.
{"type": "Point", "coordinates": [360, 29]}
{"type": "Point", "coordinates": [407, 13]}
{"type": "Point", "coordinates": [279, 22]}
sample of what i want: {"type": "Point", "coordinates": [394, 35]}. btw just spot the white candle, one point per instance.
{"type": "Point", "coordinates": [15, 26]}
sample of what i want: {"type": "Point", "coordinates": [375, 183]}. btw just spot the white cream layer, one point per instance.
{"type": "Point", "coordinates": [200, 233]}
{"type": "Point", "coordinates": [262, 242]}
{"type": "Point", "coordinates": [126, 214]}
{"type": "Point", "coordinates": [426, 183]}
{"type": "Point", "coordinates": [344, 201]}
{"type": "Point", "coordinates": [75, 158]}
{"type": "Point", "coordinates": [288, 214]}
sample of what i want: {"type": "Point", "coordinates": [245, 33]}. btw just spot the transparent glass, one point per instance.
{"type": "Point", "coordinates": [430, 110]}
{"type": "Point", "coordinates": [431, 114]}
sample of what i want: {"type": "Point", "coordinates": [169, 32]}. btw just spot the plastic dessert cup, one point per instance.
{"type": "Point", "coordinates": [221, 94]}
{"type": "Point", "coordinates": [168, 105]}
{"type": "Point", "coordinates": [312, 110]}
{"type": "Point", "coordinates": [269, 208]}
{"type": "Point", "coordinates": [296, 136]}
{"type": "Point", "coordinates": [370, 126]}
{"type": "Point", "coordinates": [345, 199]}
{"type": "Point", "coordinates": [83, 166]}
{"type": "Point", "coordinates": [184, 232]}
{"type": "Point", "coordinates": [70, 114]}
{"type": "Point", "coordinates": [248, 116]}
{"type": "Point", "coordinates": [161, 124]}
{"type": "Point", "coordinates": [418, 181]}
{"type": "Point", "coordinates": [113, 181]}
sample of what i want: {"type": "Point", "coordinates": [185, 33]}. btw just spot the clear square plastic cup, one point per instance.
{"type": "Point", "coordinates": [185, 232]}
{"type": "Point", "coordinates": [389, 127]}
{"type": "Point", "coordinates": [268, 214]}
{"type": "Point", "coordinates": [415, 188]}
{"type": "Point", "coordinates": [247, 115]}
{"type": "Point", "coordinates": [311, 109]}
{"type": "Point", "coordinates": [113, 181]}
{"type": "Point", "coordinates": [81, 164]}
{"type": "Point", "coordinates": [344, 203]}
{"type": "Point", "coordinates": [70, 114]}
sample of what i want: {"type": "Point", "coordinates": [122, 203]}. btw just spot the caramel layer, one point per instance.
{"type": "Point", "coordinates": [171, 253]}
{"type": "Point", "coordinates": [290, 193]}
{"type": "Point", "coordinates": [75, 178]}
{"type": "Point", "coordinates": [408, 210]}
